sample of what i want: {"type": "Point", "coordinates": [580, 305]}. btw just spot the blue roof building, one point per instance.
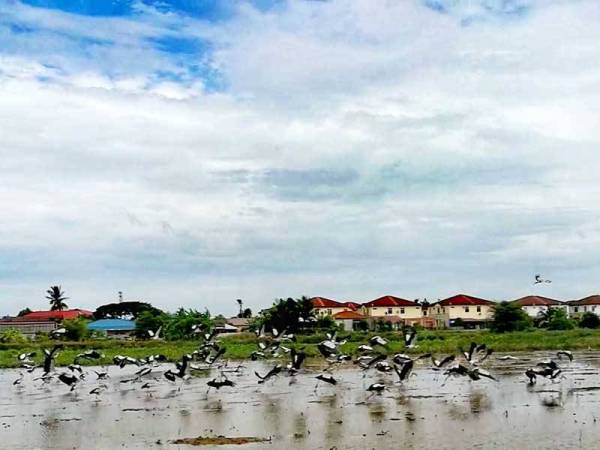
{"type": "Point", "coordinates": [113, 326]}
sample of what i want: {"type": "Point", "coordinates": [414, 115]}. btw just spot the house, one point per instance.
{"type": "Point", "coordinates": [586, 304]}
{"type": "Point", "coordinates": [349, 320]}
{"type": "Point", "coordinates": [225, 328]}
{"type": "Point", "coordinates": [472, 312]}
{"type": "Point", "coordinates": [29, 328]}
{"type": "Point", "coordinates": [535, 305]}
{"type": "Point", "coordinates": [240, 323]}
{"type": "Point", "coordinates": [58, 316]}
{"type": "Point", "coordinates": [389, 305]}
{"type": "Point", "coordinates": [326, 307]}
{"type": "Point", "coordinates": [114, 328]}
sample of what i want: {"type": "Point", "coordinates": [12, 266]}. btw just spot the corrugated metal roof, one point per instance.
{"type": "Point", "coordinates": [112, 325]}
{"type": "Point", "coordinates": [58, 315]}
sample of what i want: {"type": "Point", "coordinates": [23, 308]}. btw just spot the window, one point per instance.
{"type": "Point", "coordinates": [466, 309]}
{"type": "Point", "coordinates": [401, 310]}
{"type": "Point", "coordinates": [424, 312]}
{"type": "Point", "coordinates": [576, 309]}
{"type": "Point", "coordinates": [584, 308]}
{"type": "Point", "coordinates": [389, 311]}
{"type": "Point", "coordinates": [329, 312]}
{"type": "Point", "coordinates": [479, 309]}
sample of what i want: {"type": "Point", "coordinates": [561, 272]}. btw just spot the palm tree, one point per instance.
{"type": "Point", "coordinates": [241, 303]}
{"type": "Point", "coordinates": [57, 298]}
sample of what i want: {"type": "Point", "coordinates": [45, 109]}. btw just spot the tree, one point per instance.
{"type": "Point", "coordinates": [150, 320]}
{"type": "Point", "coordinates": [559, 320]}
{"type": "Point", "coordinates": [24, 312]}
{"type": "Point", "coordinates": [247, 314]}
{"type": "Point", "coordinates": [57, 298]}
{"type": "Point", "coordinates": [241, 305]}
{"type": "Point", "coordinates": [173, 326]}
{"type": "Point", "coordinates": [589, 320]}
{"type": "Point", "coordinates": [124, 310]}
{"type": "Point", "coordinates": [509, 317]}
{"type": "Point", "coordinates": [76, 329]}
{"type": "Point", "coordinates": [12, 336]}
{"type": "Point", "coordinates": [179, 325]}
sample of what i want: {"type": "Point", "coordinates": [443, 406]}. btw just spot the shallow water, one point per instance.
{"type": "Point", "coordinates": [424, 413]}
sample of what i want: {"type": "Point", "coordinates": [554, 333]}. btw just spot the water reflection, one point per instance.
{"type": "Point", "coordinates": [418, 414]}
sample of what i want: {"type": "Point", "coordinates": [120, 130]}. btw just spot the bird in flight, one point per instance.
{"type": "Point", "coordinates": [539, 279]}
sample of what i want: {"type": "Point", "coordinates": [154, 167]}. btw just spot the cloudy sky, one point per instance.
{"type": "Point", "coordinates": [192, 152]}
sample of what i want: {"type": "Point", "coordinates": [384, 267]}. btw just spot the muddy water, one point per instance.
{"type": "Point", "coordinates": [424, 413]}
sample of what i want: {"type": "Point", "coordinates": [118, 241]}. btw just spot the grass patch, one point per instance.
{"type": "Point", "coordinates": [241, 346]}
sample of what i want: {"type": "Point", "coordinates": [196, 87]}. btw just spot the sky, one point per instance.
{"type": "Point", "coordinates": [192, 152]}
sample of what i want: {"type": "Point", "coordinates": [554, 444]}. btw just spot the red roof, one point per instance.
{"type": "Point", "coordinates": [462, 299]}
{"type": "Point", "coordinates": [322, 302]}
{"type": "Point", "coordinates": [57, 315]}
{"type": "Point", "coordinates": [536, 300]}
{"type": "Point", "coordinates": [344, 315]}
{"type": "Point", "coordinates": [388, 301]}
{"type": "Point", "coordinates": [353, 305]}
{"type": "Point", "coordinates": [591, 300]}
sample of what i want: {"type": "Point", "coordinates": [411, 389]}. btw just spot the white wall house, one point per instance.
{"type": "Point", "coordinates": [535, 305]}
{"type": "Point", "coordinates": [587, 304]}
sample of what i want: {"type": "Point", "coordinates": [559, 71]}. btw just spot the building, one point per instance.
{"type": "Point", "coordinates": [29, 328]}
{"type": "Point", "coordinates": [535, 305]}
{"type": "Point", "coordinates": [327, 307]}
{"type": "Point", "coordinates": [389, 305]}
{"type": "Point", "coordinates": [240, 323]}
{"type": "Point", "coordinates": [58, 316]}
{"type": "Point", "coordinates": [471, 312]}
{"type": "Point", "coordinates": [350, 320]}
{"type": "Point", "coordinates": [586, 304]}
{"type": "Point", "coordinates": [114, 328]}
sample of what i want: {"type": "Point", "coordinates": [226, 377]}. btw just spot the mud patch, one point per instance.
{"type": "Point", "coordinates": [220, 440]}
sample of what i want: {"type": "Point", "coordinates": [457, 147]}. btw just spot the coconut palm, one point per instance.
{"type": "Point", "coordinates": [57, 298]}
{"type": "Point", "coordinates": [241, 303]}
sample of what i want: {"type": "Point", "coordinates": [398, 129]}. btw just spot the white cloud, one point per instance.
{"type": "Point", "coordinates": [360, 148]}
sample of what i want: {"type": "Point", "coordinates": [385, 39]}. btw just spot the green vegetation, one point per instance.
{"type": "Point", "coordinates": [174, 327]}
{"type": "Point", "coordinates": [589, 320]}
{"type": "Point", "coordinates": [76, 329]}
{"type": "Point", "coordinates": [558, 320]}
{"type": "Point", "coordinates": [12, 336]}
{"type": "Point", "coordinates": [510, 317]}
{"type": "Point", "coordinates": [124, 310]}
{"type": "Point", "coordinates": [241, 345]}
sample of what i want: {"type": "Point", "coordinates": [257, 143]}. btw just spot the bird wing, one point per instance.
{"type": "Point", "coordinates": [471, 350]}
{"type": "Point", "coordinates": [446, 360]}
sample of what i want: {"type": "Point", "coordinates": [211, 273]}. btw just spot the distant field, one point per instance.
{"type": "Point", "coordinates": [240, 346]}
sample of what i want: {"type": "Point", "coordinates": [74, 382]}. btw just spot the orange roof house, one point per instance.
{"type": "Point", "coordinates": [389, 301]}
{"type": "Point", "coordinates": [464, 300]}
{"type": "Point", "coordinates": [349, 315]}
{"type": "Point", "coordinates": [327, 307]}
{"type": "Point", "coordinates": [536, 300]}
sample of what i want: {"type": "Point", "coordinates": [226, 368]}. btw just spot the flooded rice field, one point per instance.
{"type": "Point", "coordinates": [423, 413]}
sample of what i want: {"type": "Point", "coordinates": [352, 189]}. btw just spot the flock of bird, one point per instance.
{"type": "Point", "coordinates": [372, 356]}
